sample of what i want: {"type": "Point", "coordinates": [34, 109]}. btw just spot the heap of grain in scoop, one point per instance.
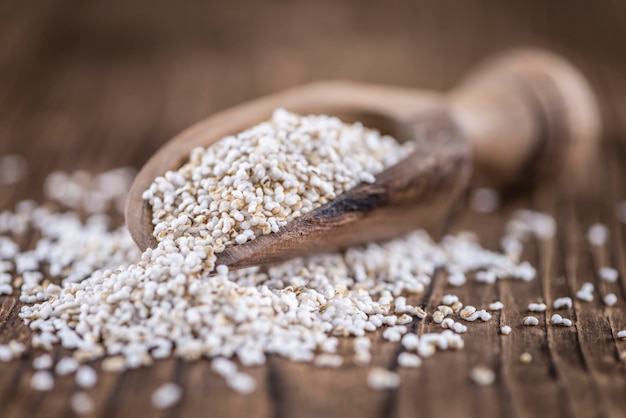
{"type": "Point", "coordinates": [111, 302]}
{"type": "Point", "coordinates": [254, 183]}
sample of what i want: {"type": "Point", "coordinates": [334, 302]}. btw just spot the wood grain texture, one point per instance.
{"type": "Point", "coordinates": [102, 84]}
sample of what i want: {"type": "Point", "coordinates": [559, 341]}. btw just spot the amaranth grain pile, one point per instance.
{"type": "Point", "coordinates": [133, 309]}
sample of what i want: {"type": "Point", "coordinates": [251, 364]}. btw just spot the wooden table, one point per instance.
{"type": "Point", "coordinates": [100, 85]}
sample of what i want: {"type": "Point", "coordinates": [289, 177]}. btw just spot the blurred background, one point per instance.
{"type": "Point", "coordinates": [99, 84]}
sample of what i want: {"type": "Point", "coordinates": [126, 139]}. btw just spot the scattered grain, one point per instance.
{"type": "Point", "coordinates": [585, 293]}
{"type": "Point", "coordinates": [530, 321]}
{"type": "Point", "coordinates": [114, 364]}
{"type": "Point", "coordinates": [449, 299]}
{"type": "Point", "coordinates": [562, 303]}
{"type": "Point", "coordinates": [382, 379]}
{"type": "Point", "coordinates": [328, 360]}
{"type": "Point", "coordinates": [537, 307]}
{"type": "Point", "coordinates": [608, 274]}
{"type": "Point", "coordinates": [166, 396]}
{"type": "Point", "coordinates": [81, 403]}
{"type": "Point", "coordinates": [86, 377]}
{"type": "Point", "coordinates": [13, 167]}
{"type": "Point", "coordinates": [241, 383]}
{"type": "Point", "coordinates": [66, 366]}
{"type": "Point", "coordinates": [610, 299]}
{"type": "Point", "coordinates": [42, 381]}
{"type": "Point", "coordinates": [226, 195]}
{"type": "Point", "coordinates": [482, 376]}
{"type": "Point", "coordinates": [485, 200]}
{"type": "Point", "coordinates": [597, 234]}
{"type": "Point", "coordinates": [43, 361]}
{"type": "Point", "coordinates": [409, 360]}
{"type": "Point", "coordinates": [5, 353]}
{"type": "Point", "coordinates": [496, 306]}
{"type": "Point", "coordinates": [525, 358]}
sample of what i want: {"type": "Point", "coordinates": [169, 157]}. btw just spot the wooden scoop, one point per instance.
{"type": "Point", "coordinates": [522, 116]}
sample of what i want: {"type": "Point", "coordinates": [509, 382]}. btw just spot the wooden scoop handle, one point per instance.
{"type": "Point", "coordinates": [528, 114]}
{"type": "Point", "coordinates": [519, 117]}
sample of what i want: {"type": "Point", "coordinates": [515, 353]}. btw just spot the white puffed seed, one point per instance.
{"type": "Point", "coordinates": [537, 307]}
{"type": "Point", "coordinates": [449, 299]}
{"type": "Point", "coordinates": [505, 330]}
{"type": "Point", "coordinates": [447, 323]}
{"type": "Point", "coordinates": [608, 274]}
{"type": "Point", "coordinates": [556, 319]}
{"type": "Point", "coordinates": [467, 311]}
{"type": "Point", "coordinates": [471, 314]}
{"type": "Point", "coordinates": [42, 381]}
{"type": "Point", "coordinates": [66, 366]}
{"type": "Point", "coordinates": [115, 364]}
{"type": "Point", "coordinates": [584, 295]}
{"type": "Point", "coordinates": [410, 341]}
{"type": "Point", "coordinates": [5, 353]}
{"type": "Point", "coordinates": [17, 348]}
{"type": "Point", "coordinates": [13, 167]}
{"type": "Point", "coordinates": [484, 315]}
{"type": "Point", "coordinates": [362, 358]}
{"type": "Point", "coordinates": [456, 279]}
{"type": "Point", "coordinates": [459, 328]}
{"type": "Point", "coordinates": [166, 396]}
{"type": "Point", "coordinates": [622, 334]}
{"type": "Point", "coordinates": [438, 317]}
{"type": "Point", "coordinates": [488, 277]}
{"type": "Point", "coordinates": [394, 333]}
{"type": "Point", "coordinates": [597, 234]}
{"type": "Point", "coordinates": [485, 200]}
{"type": "Point", "coordinates": [610, 299]}
{"type": "Point", "coordinates": [587, 287]}
{"type": "Point", "coordinates": [420, 313]}
{"type": "Point", "coordinates": [328, 360]}
{"type": "Point", "coordinates": [525, 358]}
{"type": "Point", "coordinates": [379, 378]}
{"type": "Point", "coordinates": [223, 367]}
{"type": "Point", "coordinates": [364, 343]}
{"type": "Point", "coordinates": [426, 350]}
{"type": "Point", "coordinates": [241, 382]}
{"type": "Point", "coordinates": [524, 225]}
{"type": "Point", "coordinates": [562, 303]}
{"type": "Point", "coordinates": [43, 361]}
{"type": "Point", "coordinates": [409, 360]}
{"type": "Point", "coordinates": [482, 376]}
{"type": "Point", "coordinates": [530, 321]}
{"type": "Point", "coordinates": [86, 377]}
{"type": "Point", "coordinates": [81, 403]}
{"type": "Point", "coordinates": [445, 310]}
{"type": "Point", "coordinates": [496, 306]}
{"type": "Point", "coordinates": [456, 307]}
